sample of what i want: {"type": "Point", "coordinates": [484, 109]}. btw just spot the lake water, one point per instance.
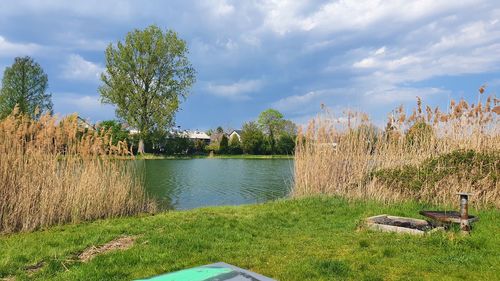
{"type": "Point", "coordinates": [186, 184]}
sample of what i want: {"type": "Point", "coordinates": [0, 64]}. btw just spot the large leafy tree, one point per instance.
{"type": "Point", "coordinates": [25, 84]}
{"type": "Point", "coordinates": [252, 138]}
{"type": "Point", "coordinates": [146, 77]}
{"type": "Point", "coordinates": [272, 123]}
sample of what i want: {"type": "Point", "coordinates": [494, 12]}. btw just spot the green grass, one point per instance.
{"type": "Point", "coordinates": [307, 239]}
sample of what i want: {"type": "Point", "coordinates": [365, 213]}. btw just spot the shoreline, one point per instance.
{"type": "Point", "coordinates": [187, 157]}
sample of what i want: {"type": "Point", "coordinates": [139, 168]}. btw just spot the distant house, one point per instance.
{"type": "Point", "coordinates": [84, 124]}
{"type": "Point", "coordinates": [133, 131]}
{"type": "Point", "coordinates": [216, 137]}
{"type": "Point", "coordinates": [197, 135]}
{"type": "Point", "coordinates": [236, 133]}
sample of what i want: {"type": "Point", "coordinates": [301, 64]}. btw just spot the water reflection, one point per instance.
{"type": "Point", "coordinates": [186, 184]}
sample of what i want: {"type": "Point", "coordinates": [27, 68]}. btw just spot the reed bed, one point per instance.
{"type": "Point", "coordinates": [58, 171]}
{"type": "Point", "coordinates": [427, 156]}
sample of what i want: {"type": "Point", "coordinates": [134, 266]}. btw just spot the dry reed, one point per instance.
{"type": "Point", "coordinates": [340, 156]}
{"type": "Point", "coordinates": [54, 172]}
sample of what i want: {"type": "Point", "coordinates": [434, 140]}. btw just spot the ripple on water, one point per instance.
{"type": "Point", "coordinates": [185, 184]}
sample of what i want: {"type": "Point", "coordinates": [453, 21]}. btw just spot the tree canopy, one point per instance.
{"type": "Point", "coordinates": [146, 76]}
{"type": "Point", "coordinates": [235, 145]}
{"type": "Point", "coordinates": [25, 84]}
{"type": "Point", "coordinates": [272, 123]}
{"type": "Point", "coordinates": [252, 138]}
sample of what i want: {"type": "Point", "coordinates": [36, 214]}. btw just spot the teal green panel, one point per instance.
{"type": "Point", "coordinates": [192, 274]}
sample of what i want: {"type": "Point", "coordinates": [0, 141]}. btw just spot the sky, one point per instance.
{"type": "Point", "coordinates": [290, 55]}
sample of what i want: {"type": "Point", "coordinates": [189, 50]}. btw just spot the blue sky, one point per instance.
{"type": "Point", "coordinates": [294, 56]}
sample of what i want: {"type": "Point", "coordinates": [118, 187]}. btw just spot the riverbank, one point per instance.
{"type": "Point", "coordinates": [149, 156]}
{"type": "Point", "coordinates": [305, 239]}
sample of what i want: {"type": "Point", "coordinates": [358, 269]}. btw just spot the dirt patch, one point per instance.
{"type": "Point", "coordinates": [122, 243]}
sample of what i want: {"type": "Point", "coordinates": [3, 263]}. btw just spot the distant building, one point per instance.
{"type": "Point", "coordinates": [216, 137]}
{"type": "Point", "coordinates": [133, 131]}
{"type": "Point", "coordinates": [84, 123]}
{"type": "Point", "coordinates": [236, 133]}
{"type": "Point", "coordinates": [197, 135]}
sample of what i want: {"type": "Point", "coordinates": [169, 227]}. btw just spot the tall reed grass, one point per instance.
{"type": "Point", "coordinates": [427, 156]}
{"type": "Point", "coordinates": [56, 171]}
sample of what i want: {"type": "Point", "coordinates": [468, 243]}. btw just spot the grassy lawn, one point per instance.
{"type": "Point", "coordinates": [307, 239]}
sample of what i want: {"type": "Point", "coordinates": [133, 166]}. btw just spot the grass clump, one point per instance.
{"type": "Point", "coordinates": [57, 171]}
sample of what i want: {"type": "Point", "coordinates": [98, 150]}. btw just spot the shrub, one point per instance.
{"type": "Point", "coordinates": [213, 147]}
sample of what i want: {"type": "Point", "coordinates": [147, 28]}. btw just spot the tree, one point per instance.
{"type": "Point", "coordinates": [25, 84]}
{"type": "Point", "coordinates": [224, 144]}
{"type": "Point", "coordinates": [199, 146]}
{"type": "Point", "coordinates": [286, 144]}
{"type": "Point", "coordinates": [252, 138]}
{"type": "Point", "coordinates": [235, 145]}
{"type": "Point", "coordinates": [289, 128]}
{"type": "Point", "coordinates": [115, 129]}
{"type": "Point", "coordinates": [145, 77]}
{"type": "Point", "coordinates": [271, 122]}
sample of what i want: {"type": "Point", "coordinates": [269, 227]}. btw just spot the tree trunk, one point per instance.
{"type": "Point", "coordinates": [140, 148]}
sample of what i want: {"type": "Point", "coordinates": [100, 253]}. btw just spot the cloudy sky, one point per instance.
{"type": "Point", "coordinates": [251, 55]}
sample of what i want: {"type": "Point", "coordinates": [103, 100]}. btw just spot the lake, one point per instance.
{"type": "Point", "coordinates": [192, 183]}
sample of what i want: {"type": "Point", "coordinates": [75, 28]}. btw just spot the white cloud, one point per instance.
{"type": "Point", "coordinates": [380, 51]}
{"type": "Point", "coordinates": [366, 52]}
{"type": "Point", "coordinates": [296, 102]}
{"type": "Point", "coordinates": [288, 16]}
{"type": "Point", "coordinates": [361, 98]}
{"type": "Point", "coordinates": [218, 7]}
{"type": "Point", "coordinates": [80, 41]}
{"type": "Point", "coordinates": [11, 49]}
{"type": "Point", "coordinates": [236, 91]}
{"type": "Point", "coordinates": [77, 68]}
{"type": "Point", "coordinates": [461, 48]}
{"type": "Point", "coordinates": [400, 95]}
{"type": "Point", "coordinates": [228, 44]}
{"type": "Point", "coordinates": [115, 9]}
{"type": "Point", "coordinates": [87, 106]}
